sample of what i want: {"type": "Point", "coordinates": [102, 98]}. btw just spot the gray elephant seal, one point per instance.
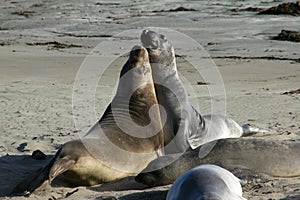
{"type": "Point", "coordinates": [276, 158]}
{"type": "Point", "coordinates": [111, 153]}
{"type": "Point", "coordinates": [184, 127]}
{"type": "Point", "coordinates": [206, 182]}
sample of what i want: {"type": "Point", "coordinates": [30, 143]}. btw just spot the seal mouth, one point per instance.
{"type": "Point", "coordinates": [150, 40]}
{"type": "Point", "coordinates": [138, 54]}
{"type": "Point", "coordinates": [138, 59]}
{"type": "Point", "coordinates": [158, 46]}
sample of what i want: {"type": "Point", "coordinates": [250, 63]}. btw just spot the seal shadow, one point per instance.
{"type": "Point", "coordinates": [148, 195]}
{"type": "Point", "coordinates": [16, 168]}
{"type": "Point", "coordinates": [127, 183]}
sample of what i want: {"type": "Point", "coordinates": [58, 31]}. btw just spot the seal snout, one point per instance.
{"type": "Point", "coordinates": [150, 39]}
{"type": "Point", "coordinates": [138, 59]}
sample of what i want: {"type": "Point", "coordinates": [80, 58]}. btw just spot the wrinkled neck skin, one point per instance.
{"type": "Point", "coordinates": [131, 105]}
{"type": "Point", "coordinates": [167, 82]}
{"type": "Point", "coordinates": [182, 119]}
{"type": "Point", "coordinates": [134, 97]}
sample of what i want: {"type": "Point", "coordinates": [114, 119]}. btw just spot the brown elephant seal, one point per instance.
{"type": "Point", "coordinates": [184, 126]}
{"type": "Point", "coordinates": [113, 149]}
{"type": "Point", "coordinates": [276, 158]}
{"type": "Point", "coordinates": [206, 182]}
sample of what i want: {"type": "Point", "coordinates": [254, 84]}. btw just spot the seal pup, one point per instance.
{"type": "Point", "coordinates": [184, 125]}
{"type": "Point", "coordinates": [275, 158]}
{"type": "Point", "coordinates": [114, 150]}
{"type": "Point", "coordinates": [206, 182]}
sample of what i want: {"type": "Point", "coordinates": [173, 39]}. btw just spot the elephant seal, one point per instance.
{"type": "Point", "coordinates": [206, 182]}
{"type": "Point", "coordinates": [276, 158]}
{"type": "Point", "coordinates": [112, 149]}
{"type": "Point", "coordinates": [184, 126]}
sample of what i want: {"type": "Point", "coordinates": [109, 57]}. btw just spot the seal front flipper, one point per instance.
{"type": "Point", "coordinates": [34, 180]}
{"type": "Point", "coordinates": [60, 166]}
{"type": "Point", "coordinates": [41, 177]}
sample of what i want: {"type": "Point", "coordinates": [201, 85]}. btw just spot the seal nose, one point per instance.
{"type": "Point", "coordinates": [149, 39]}
{"type": "Point", "coordinates": [138, 54]}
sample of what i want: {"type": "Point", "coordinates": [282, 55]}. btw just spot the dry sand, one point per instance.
{"type": "Point", "coordinates": [37, 81]}
{"type": "Point", "coordinates": [36, 95]}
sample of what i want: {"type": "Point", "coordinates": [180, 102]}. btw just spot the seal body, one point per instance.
{"type": "Point", "coordinates": [276, 158]}
{"type": "Point", "coordinates": [184, 127]}
{"type": "Point", "coordinates": [182, 119]}
{"type": "Point", "coordinates": [206, 182]}
{"type": "Point", "coordinates": [120, 144]}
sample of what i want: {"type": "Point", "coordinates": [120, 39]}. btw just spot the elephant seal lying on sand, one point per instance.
{"type": "Point", "coordinates": [276, 158]}
{"type": "Point", "coordinates": [206, 182]}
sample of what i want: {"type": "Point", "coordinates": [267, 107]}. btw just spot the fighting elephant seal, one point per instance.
{"type": "Point", "coordinates": [276, 158]}
{"type": "Point", "coordinates": [206, 182]}
{"type": "Point", "coordinates": [111, 153]}
{"type": "Point", "coordinates": [185, 127]}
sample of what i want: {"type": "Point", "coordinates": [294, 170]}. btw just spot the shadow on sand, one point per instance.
{"type": "Point", "coordinates": [148, 195]}
{"type": "Point", "coordinates": [15, 168]}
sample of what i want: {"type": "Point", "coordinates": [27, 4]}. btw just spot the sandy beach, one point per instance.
{"type": "Point", "coordinates": [37, 78]}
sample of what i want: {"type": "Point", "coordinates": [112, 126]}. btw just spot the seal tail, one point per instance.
{"type": "Point", "coordinates": [41, 177]}
{"type": "Point", "coordinates": [249, 130]}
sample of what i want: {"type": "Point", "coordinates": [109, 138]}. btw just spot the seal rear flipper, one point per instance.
{"type": "Point", "coordinates": [249, 130]}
